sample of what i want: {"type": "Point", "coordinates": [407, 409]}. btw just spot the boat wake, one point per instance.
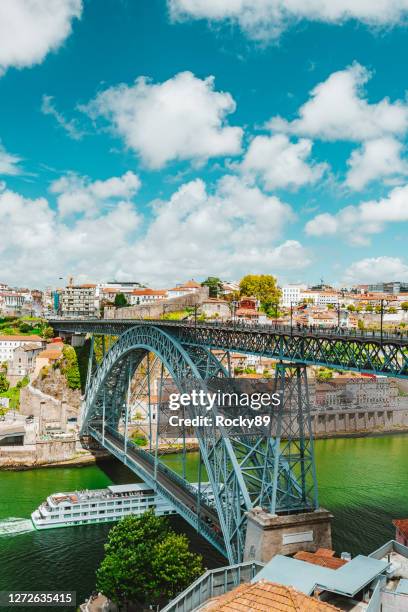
{"type": "Point", "coordinates": [15, 526]}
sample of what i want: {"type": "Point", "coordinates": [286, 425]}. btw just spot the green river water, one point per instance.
{"type": "Point", "coordinates": [363, 481]}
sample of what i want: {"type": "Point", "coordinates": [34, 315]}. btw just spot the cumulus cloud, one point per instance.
{"type": "Point", "coordinates": [183, 118]}
{"type": "Point", "coordinates": [228, 229]}
{"type": "Point", "coordinates": [376, 269]}
{"type": "Point", "coordinates": [9, 164]}
{"type": "Point", "coordinates": [280, 163]}
{"type": "Point", "coordinates": [376, 159]}
{"type": "Point", "coordinates": [37, 246]}
{"type": "Point", "coordinates": [358, 223]}
{"type": "Point", "coordinates": [77, 194]}
{"type": "Point", "coordinates": [30, 29]}
{"type": "Point", "coordinates": [69, 125]}
{"type": "Point", "coordinates": [338, 110]}
{"type": "Point", "coordinates": [266, 19]}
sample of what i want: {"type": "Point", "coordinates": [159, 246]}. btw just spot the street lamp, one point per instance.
{"type": "Point", "coordinates": [381, 320]}
{"type": "Point", "coordinates": [291, 318]}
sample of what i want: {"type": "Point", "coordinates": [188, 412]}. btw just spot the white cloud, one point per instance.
{"type": "Point", "coordinates": [358, 223]}
{"type": "Point", "coordinates": [279, 163]}
{"type": "Point", "coordinates": [376, 269]}
{"type": "Point", "coordinates": [183, 118]}
{"type": "Point", "coordinates": [265, 19]}
{"type": "Point", "coordinates": [30, 29]}
{"type": "Point", "coordinates": [9, 163]}
{"type": "Point", "coordinates": [77, 194]}
{"type": "Point", "coordinates": [338, 110]}
{"type": "Point", "coordinates": [37, 247]}
{"type": "Point", "coordinates": [379, 158]}
{"type": "Point", "coordinates": [70, 126]}
{"type": "Point", "coordinates": [227, 231]}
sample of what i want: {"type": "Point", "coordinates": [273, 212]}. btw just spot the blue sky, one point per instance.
{"type": "Point", "coordinates": [162, 140]}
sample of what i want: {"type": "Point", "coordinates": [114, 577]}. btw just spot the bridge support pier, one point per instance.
{"type": "Point", "coordinates": [269, 534]}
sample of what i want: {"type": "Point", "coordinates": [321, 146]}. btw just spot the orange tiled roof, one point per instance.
{"type": "Point", "coordinates": [402, 525]}
{"type": "Point", "coordinates": [265, 596]}
{"type": "Point", "coordinates": [324, 560]}
{"type": "Point", "coordinates": [149, 292]}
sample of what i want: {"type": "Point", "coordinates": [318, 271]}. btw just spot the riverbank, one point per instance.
{"type": "Point", "coordinates": [80, 460]}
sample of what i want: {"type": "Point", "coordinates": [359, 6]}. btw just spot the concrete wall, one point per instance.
{"type": "Point", "coordinates": [337, 422]}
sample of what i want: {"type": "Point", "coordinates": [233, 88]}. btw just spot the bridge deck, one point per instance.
{"type": "Point", "coordinates": [166, 482]}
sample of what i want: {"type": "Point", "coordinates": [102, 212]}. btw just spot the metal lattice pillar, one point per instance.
{"type": "Point", "coordinates": [295, 482]}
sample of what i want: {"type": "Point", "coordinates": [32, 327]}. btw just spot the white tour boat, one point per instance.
{"type": "Point", "coordinates": [98, 506]}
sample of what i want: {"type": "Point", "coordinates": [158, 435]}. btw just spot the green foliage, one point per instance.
{"type": "Point", "coordinates": [146, 562]}
{"type": "Point", "coordinates": [70, 367]}
{"type": "Point", "coordinates": [214, 285]}
{"type": "Point", "coordinates": [324, 374]}
{"type": "Point", "coordinates": [263, 287]}
{"type": "Point", "coordinates": [138, 438]}
{"type": "Point", "coordinates": [351, 308]}
{"type": "Point", "coordinates": [120, 300]}
{"type": "Point", "coordinates": [4, 383]}
{"type": "Point", "coordinates": [404, 306]}
{"type": "Point", "coordinates": [48, 332]}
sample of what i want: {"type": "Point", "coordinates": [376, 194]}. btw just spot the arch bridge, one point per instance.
{"type": "Point", "coordinates": [268, 465]}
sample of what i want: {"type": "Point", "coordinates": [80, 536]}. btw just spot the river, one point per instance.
{"type": "Point", "coordinates": [363, 481]}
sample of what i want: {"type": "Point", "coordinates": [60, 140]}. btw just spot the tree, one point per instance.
{"type": "Point", "coordinates": [404, 306]}
{"type": "Point", "coordinates": [146, 562]}
{"type": "Point", "coordinates": [47, 332]}
{"type": "Point", "coordinates": [214, 284]}
{"type": "Point", "coordinates": [120, 300]}
{"type": "Point", "coordinates": [70, 367]}
{"type": "Point", "coordinates": [263, 287]}
{"type": "Point", "coordinates": [4, 383]}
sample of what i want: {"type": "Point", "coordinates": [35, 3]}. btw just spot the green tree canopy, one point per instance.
{"type": "Point", "coordinates": [146, 562]}
{"type": "Point", "coordinates": [261, 286]}
{"type": "Point", "coordinates": [120, 300]}
{"type": "Point", "coordinates": [4, 383]}
{"type": "Point", "coordinates": [214, 285]}
{"type": "Point", "coordinates": [404, 306]}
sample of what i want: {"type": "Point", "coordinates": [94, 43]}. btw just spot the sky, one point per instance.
{"type": "Point", "coordinates": [162, 140]}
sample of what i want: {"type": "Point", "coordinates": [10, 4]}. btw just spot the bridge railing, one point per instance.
{"type": "Point", "coordinates": [183, 510]}
{"type": "Point", "coordinates": [213, 583]}
{"type": "Point", "coordinates": [164, 469]}
{"type": "Point", "coordinates": [239, 325]}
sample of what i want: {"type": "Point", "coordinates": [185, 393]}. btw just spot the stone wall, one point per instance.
{"type": "Point", "coordinates": [340, 422]}
{"type": "Point", "coordinates": [44, 452]}
{"type": "Point", "coordinates": [155, 311]}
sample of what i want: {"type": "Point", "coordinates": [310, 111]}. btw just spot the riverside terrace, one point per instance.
{"type": "Point", "coordinates": [363, 351]}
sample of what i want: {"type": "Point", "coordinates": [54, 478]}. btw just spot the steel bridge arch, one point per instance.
{"type": "Point", "coordinates": [104, 398]}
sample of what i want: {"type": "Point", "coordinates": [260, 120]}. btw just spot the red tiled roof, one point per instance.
{"type": "Point", "coordinates": [402, 525]}
{"type": "Point", "coordinates": [265, 596]}
{"type": "Point", "coordinates": [20, 338]}
{"type": "Point", "coordinates": [324, 560]}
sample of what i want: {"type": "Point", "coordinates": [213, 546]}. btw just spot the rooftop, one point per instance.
{"type": "Point", "coordinates": [264, 596]}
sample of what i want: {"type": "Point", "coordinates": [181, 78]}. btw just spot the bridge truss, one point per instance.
{"type": "Point", "coordinates": [271, 467]}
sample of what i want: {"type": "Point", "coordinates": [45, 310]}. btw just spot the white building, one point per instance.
{"type": "Point", "coordinates": [146, 296]}
{"type": "Point", "coordinates": [292, 294]}
{"type": "Point", "coordinates": [9, 343]}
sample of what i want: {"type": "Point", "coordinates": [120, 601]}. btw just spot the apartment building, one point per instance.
{"type": "Point", "coordinates": [78, 301]}
{"type": "Point", "coordinates": [8, 344]}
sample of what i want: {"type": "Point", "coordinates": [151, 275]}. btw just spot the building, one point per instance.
{"type": "Point", "coordinates": [78, 301]}
{"type": "Point", "coordinates": [401, 531]}
{"type": "Point", "coordinates": [146, 296]}
{"type": "Point", "coordinates": [292, 295]}
{"type": "Point", "coordinates": [305, 583]}
{"type": "Point", "coordinates": [8, 344]}
{"type": "Point", "coordinates": [187, 288]}
{"type": "Point", "coordinates": [391, 288]}
{"type": "Point", "coordinates": [214, 307]}
{"type": "Point", "coordinates": [23, 361]}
